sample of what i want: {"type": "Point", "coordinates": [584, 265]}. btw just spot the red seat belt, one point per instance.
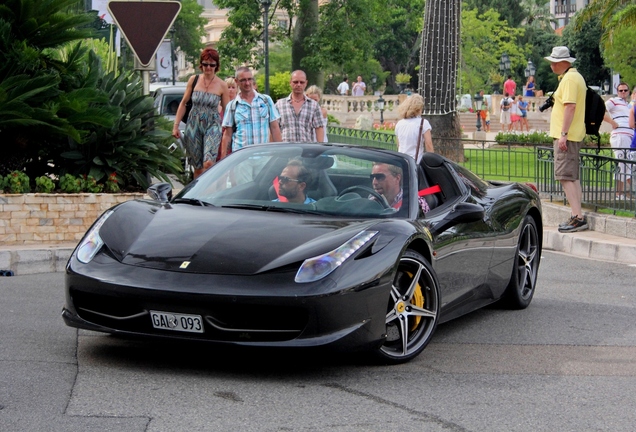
{"type": "Point", "coordinates": [429, 191]}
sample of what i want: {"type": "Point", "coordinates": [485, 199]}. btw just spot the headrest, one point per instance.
{"type": "Point", "coordinates": [321, 162]}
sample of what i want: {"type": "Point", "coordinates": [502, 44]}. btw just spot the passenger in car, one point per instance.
{"type": "Point", "coordinates": [386, 180]}
{"type": "Point", "coordinates": [291, 183]}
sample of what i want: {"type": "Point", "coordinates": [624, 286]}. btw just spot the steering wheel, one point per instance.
{"type": "Point", "coordinates": [380, 198]}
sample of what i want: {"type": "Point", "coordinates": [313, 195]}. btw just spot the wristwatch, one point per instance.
{"type": "Point", "coordinates": [564, 134]}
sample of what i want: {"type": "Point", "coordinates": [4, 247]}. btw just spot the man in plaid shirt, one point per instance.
{"type": "Point", "coordinates": [299, 115]}
{"type": "Point", "coordinates": [250, 118]}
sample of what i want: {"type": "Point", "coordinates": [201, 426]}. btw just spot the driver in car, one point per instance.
{"type": "Point", "coordinates": [387, 181]}
{"type": "Point", "coordinates": [292, 183]}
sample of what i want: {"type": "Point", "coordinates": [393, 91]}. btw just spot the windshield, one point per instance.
{"type": "Point", "coordinates": [307, 178]}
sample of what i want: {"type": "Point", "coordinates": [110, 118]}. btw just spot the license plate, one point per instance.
{"type": "Point", "coordinates": [176, 322]}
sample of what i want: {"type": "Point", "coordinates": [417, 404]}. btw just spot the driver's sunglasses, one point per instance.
{"type": "Point", "coordinates": [283, 179]}
{"type": "Point", "coordinates": [378, 177]}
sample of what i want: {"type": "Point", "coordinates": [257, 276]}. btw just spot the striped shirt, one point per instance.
{"type": "Point", "coordinates": [299, 127]}
{"type": "Point", "coordinates": [619, 111]}
{"type": "Point", "coordinates": [250, 121]}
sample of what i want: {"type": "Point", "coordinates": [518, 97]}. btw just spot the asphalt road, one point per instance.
{"type": "Point", "coordinates": [567, 363]}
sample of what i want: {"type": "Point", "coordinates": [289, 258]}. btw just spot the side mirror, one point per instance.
{"type": "Point", "coordinates": [161, 192]}
{"type": "Point", "coordinates": [460, 213]}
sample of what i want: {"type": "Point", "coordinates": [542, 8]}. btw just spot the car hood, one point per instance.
{"type": "Point", "coordinates": [196, 239]}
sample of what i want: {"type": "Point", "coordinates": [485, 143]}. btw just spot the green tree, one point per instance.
{"type": "Point", "coordinates": [306, 26]}
{"type": "Point", "coordinates": [54, 100]}
{"type": "Point", "coordinates": [189, 29]}
{"type": "Point", "coordinates": [509, 10]}
{"type": "Point", "coordinates": [584, 44]}
{"type": "Point", "coordinates": [618, 58]}
{"type": "Point", "coordinates": [397, 38]}
{"type": "Point", "coordinates": [485, 37]}
{"type": "Point", "coordinates": [614, 15]}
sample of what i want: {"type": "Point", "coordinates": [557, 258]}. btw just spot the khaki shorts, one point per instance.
{"type": "Point", "coordinates": [566, 163]}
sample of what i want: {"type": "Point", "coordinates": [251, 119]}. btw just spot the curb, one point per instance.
{"type": "Point", "coordinates": [610, 238]}
{"type": "Point", "coordinates": [35, 259]}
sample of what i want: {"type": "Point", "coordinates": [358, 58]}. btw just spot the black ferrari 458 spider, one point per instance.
{"type": "Point", "coordinates": [309, 245]}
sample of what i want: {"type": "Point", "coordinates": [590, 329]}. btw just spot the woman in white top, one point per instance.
{"type": "Point", "coordinates": [315, 93]}
{"type": "Point", "coordinates": [408, 128]}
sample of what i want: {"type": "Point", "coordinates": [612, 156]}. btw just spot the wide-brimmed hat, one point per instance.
{"type": "Point", "coordinates": [560, 54]}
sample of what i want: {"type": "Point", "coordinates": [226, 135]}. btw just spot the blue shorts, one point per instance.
{"type": "Point", "coordinates": [524, 114]}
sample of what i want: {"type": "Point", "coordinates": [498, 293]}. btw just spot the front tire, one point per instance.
{"type": "Point", "coordinates": [520, 290]}
{"type": "Point", "coordinates": [413, 309]}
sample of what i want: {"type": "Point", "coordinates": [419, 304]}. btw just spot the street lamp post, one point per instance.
{"type": "Point", "coordinates": [606, 86]}
{"type": "Point", "coordinates": [504, 63]}
{"type": "Point", "coordinates": [266, 4]}
{"type": "Point", "coordinates": [530, 69]}
{"type": "Point", "coordinates": [374, 80]}
{"type": "Point", "coordinates": [172, 32]}
{"type": "Point", "coordinates": [380, 105]}
{"type": "Point", "coordinates": [479, 100]}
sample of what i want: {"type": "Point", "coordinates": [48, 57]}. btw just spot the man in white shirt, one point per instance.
{"type": "Point", "coordinates": [358, 87]}
{"type": "Point", "coordinates": [617, 114]}
{"type": "Point", "coordinates": [343, 88]}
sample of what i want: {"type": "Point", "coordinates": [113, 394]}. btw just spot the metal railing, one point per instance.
{"type": "Point", "coordinates": [529, 163]}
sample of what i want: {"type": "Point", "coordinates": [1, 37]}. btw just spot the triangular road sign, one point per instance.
{"type": "Point", "coordinates": [144, 24]}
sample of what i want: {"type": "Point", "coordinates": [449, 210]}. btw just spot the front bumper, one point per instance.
{"type": "Point", "coordinates": [261, 310]}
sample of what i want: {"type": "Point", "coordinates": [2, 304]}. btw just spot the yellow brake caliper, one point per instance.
{"type": "Point", "coordinates": [417, 300]}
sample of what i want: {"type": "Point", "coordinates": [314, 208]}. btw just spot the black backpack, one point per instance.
{"type": "Point", "coordinates": [594, 113]}
{"type": "Point", "coordinates": [506, 104]}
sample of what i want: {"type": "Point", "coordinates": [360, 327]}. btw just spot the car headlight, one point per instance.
{"type": "Point", "coordinates": [92, 242]}
{"type": "Point", "coordinates": [316, 268]}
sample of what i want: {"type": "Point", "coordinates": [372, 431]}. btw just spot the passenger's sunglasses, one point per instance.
{"type": "Point", "coordinates": [283, 180]}
{"type": "Point", "coordinates": [378, 177]}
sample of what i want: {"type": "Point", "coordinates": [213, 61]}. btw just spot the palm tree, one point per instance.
{"type": "Point", "coordinates": [615, 14]}
{"type": "Point", "coordinates": [537, 14]}
{"type": "Point", "coordinates": [438, 74]}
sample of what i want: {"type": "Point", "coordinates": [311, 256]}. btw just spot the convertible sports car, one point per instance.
{"type": "Point", "coordinates": [234, 259]}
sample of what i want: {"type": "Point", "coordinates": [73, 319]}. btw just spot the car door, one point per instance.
{"type": "Point", "coordinates": [463, 249]}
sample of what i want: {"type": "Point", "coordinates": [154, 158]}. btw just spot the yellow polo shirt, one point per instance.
{"type": "Point", "coordinates": [571, 90]}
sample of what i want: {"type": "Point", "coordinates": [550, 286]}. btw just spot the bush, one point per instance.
{"type": "Point", "coordinates": [70, 184]}
{"type": "Point", "coordinates": [521, 138]}
{"type": "Point", "coordinates": [89, 184]}
{"type": "Point", "coordinates": [279, 86]}
{"type": "Point", "coordinates": [44, 184]}
{"type": "Point", "coordinates": [541, 138]}
{"type": "Point", "coordinates": [111, 184]}
{"type": "Point", "coordinates": [15, 182]}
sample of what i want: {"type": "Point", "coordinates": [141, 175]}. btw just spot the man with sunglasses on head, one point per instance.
{"type": "Point", "coordinates": [292, 183]}
{"type": "Point", "coordinates": [250, 117]}
{"type": "Point", "coordinates": [617, 114]}
{"type": "Point", "coordinates": [300, 116]}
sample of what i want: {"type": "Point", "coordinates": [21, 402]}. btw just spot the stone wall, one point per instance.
{"type": "Point", "coordinates": [27, 219]}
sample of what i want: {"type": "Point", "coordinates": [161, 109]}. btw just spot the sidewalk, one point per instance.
{"type": "Point", "coordinates": [610, 238]}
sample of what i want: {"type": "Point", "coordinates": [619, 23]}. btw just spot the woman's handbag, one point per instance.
{"type": "Point", "coordinates": [419, 140]}
{"type": "Point", "coordinates": [188, 106]}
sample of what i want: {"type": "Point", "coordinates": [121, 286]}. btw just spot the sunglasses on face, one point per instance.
{"type": "Point", "coordinates": [283, 180]}
{"type": "Point", "coordinates": [623, 90]}
{"type": "Point", "coordinates": [212, 65]}
{"type": "Point", "coordinates": [378, 177]}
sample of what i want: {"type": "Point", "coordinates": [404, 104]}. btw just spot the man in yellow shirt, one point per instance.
{"type": "Point", "coordinates": [567, 127]}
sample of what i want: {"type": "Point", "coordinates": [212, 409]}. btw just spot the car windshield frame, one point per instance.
{"type": "Point", "coordinates": [248, 179]}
